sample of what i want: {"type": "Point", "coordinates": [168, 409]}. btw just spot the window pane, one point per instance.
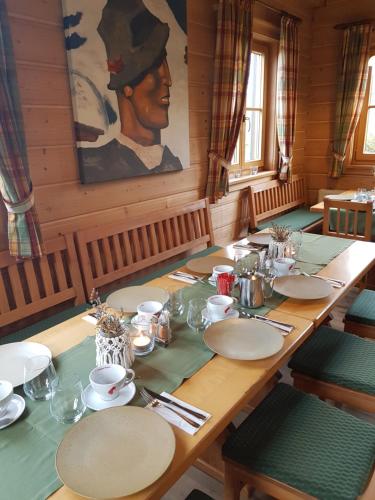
{"type": "Point", "coordinates": [254, 96]}
{"type": "Point", "coordinates": [236, 154]}
{"type": "Point", "coordinates": [369, 146]}
{"type": "Point", "coordinates": [371, 98]}
{"type": "Point", "coordinates": [253, 135]}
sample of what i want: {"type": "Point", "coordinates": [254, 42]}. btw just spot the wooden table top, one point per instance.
{"type": "Point", "coordinates": [223, 386]}
{"type": "Point", "coordinates": [319, 207]}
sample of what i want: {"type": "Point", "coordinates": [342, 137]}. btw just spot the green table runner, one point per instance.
{"type": "Point", "coordinates": [28, 447]}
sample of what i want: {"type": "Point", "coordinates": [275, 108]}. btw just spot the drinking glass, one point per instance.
{"type": "Point", "coordinates": [176, 303]}
{"type": "Point", "coordinates": [295, 244]}
{"type": "Point", "coordinates": [67, 404]}
{"type": "Point", "coordinates": [361, 194]}
{"type": "Point", "coordinates": [194, 316]}
{"type": "Point", "coordinates": [268, 280]}
{"type": "Point", "coordinates": [40, 378]}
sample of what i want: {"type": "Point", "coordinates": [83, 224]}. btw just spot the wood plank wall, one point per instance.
{"type": "Point", "coordinates": [325, 56]}
{"type": "Point", "coordinates": [63, 204]}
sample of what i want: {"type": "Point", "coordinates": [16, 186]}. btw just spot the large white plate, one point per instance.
{"type": "Point", "coordinates": [204, 265]}
{"type": "Point", "coordinates": [129, 298]}
{"type": "Point", "coordinates": [115, 452]}
{"type": "Point", "coordinates": [245, 339]}
{"type": "Point", "coordinates": [302, 287]}
{"type": "Point", "coordinates": [13, 357]}
{"type": "Point", "coordinates": [260, 238]}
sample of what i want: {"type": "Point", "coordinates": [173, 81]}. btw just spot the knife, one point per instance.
{"type": "Point", "coordinates": [164, 399]}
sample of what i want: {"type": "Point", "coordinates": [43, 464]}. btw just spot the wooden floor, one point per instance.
{"type": "Point", "coordinates": [194, 478]}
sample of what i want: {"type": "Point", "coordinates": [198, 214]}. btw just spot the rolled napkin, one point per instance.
{"type": "Point", "coordinates": [185, 279]}
{"type": "Point", "coordinates": [174, 419]}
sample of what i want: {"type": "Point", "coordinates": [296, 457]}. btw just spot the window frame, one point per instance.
{"type": "Point", "coordinates": [268, 125]}
{"type": "Point", "coordinates": [358, 157]}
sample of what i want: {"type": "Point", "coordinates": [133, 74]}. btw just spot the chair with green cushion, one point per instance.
{"type": "Point", "coordinates": [294, 446]}
{"type": "Point", "coordinates": [337, 365]}
{"type": "Point", "coordinates": [360, 317]}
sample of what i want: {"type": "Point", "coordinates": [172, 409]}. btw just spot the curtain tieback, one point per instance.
{"type": "Point", "coordinates": [285, 160]}
{"type": "Point", "coordinates": [215, 157]}
{"type": "Point", "coordinates": [338, 157]}
{"type": "Point", "coordinates": [22, 206]}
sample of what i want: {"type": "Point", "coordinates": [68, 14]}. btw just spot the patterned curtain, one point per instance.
{"type": "Point", "coordinates": [351, 88]}
{"type": "Point", "coordinates": [15, 183]}
{"type": "Point", "coordinates": [231, 71]}
{"type": "Point", "coordinates": [286, 94]}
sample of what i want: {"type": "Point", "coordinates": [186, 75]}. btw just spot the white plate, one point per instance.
{"type": "Point", "coordinates": [260, 238]}
{"type": "Point", "coordinates": [129, 298]}
{"type": "Point", "coordinates": [245, 339]}
{"type": "Point", "coordinates": [13, 412]}
{"type": "Point", "coordinates": [302, 287]}
{"type": "Point", "coordinates": [204, 265]}
{"type": "Point", "coordinates": [95, 402]}
{"type": "Point", "coordinates": [13, 357]}
{"type": "Point", "coordinates": [115, 452]}
{"type": "Point", "coordinates": [233, 313]}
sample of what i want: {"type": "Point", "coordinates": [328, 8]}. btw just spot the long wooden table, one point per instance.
{"type": "Point", "coordinates": [223, 387]}
{"type": "Point", "coordinates": [319, 207]}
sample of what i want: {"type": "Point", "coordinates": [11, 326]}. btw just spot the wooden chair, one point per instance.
{"type": "Point", "coordinates": [272, 198]}
{"type": "Point", "coordinates": [349, 216]}
{"type": "Point", "coordinates": [34, 285]}
{"type": "Point", "coordinates": [291, 447]}
{"type": "Point", "coordinates": [108, 253]}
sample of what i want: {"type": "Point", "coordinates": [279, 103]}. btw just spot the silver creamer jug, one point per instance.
{"type": "Point", "coordinates": [251, 290]}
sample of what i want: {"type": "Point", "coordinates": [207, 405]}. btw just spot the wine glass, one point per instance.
{"type": "Point", "coordinates": [195, 318]}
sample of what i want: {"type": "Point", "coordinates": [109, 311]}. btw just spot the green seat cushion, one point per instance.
{"type": "Point", "coordinates": [55, 319]}
{"type": "Point", "coordinates": [363, 308]}
{"type": "Point", "coordinates": [198, 495]}
{"type": "Point", "coordinates": [339, 358]}
{"type": "Point", "coordinates": [299, 440]}
{"type": "Point", "coordinates": [296, 220]}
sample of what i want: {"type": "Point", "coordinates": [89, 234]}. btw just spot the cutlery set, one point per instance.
{"type": "Point", "coordinates": [332, 281]}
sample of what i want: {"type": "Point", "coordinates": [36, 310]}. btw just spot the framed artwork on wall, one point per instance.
{"type": "Point", "coordinates": [128, 77]}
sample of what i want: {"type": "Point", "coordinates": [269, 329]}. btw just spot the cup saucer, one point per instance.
{"type": "Point", "coordinates": [13, 412]}
{"type": "Point", "coordinates": [233, 313]}
{"type": "Point", "coordinates": [95, 402]}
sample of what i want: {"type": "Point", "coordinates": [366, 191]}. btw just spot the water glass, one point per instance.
{"type": "Point", "coordinates": [195, 318]}
{"type": "Point", "coordinates": [176, 303]}
{"type": "Point", "coordinates": [361, 194]}
{"type": "Point", "coordinates": [295, 244]}
{"type": "Point", "coordinates": [40, 378]}
{"type": "Point", "coordinates": [67, 404]}
{"type": "Point", "coordinates": [268, 280]}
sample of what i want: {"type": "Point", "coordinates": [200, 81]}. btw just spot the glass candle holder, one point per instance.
{"type": "Point", "coordinates": [142, 334]}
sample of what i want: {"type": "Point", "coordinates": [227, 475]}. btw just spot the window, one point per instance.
{"type": "Point", "coordinates": [250, 148]}
{"type": "Point", "coordinates": [364, 141]}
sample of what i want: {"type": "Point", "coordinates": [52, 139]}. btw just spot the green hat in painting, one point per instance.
{"type": "Point", "coordinates": [134, 40]}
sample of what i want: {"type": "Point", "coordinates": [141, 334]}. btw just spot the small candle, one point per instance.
{"type": "Point", "coordinates": [142, 341]}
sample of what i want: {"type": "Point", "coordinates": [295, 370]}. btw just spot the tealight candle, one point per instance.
{"type": "Point", "coordinates": [142, 335]}
{"type": "Point", "coordinates": [141, 341]}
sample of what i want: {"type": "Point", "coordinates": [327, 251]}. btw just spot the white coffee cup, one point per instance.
{"type": "Point", "coordinates": [6, 394]}
{"type": "Point", "coordinates": [149, 308]}
{"type": "Point", "coordinates": [219, 306]}
{"type": "Point", "coordinates": [107, 380]}
{"type": "Point", "coordinates": [283, 265]}
{"type": "Point", "coordinates": [216, 270]}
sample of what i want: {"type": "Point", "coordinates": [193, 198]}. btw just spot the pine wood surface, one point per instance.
{"type": "Point", "coordinates": [223, 387]}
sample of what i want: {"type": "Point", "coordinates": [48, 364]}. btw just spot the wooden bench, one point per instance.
{"type": "Point", "coordinates": [31, 286]}
{"type": "Point", "coordinates": [272, 198]}
{"type": "Point", "coordinates": [108, 253]}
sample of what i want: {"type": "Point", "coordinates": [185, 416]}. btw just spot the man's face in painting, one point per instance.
{"type": "Point", "coordinates": [150, 97]}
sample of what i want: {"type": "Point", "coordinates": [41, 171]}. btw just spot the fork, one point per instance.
{"type": "Point", "coordinates": [335, 283]}
{"type": "Point", "coordinates": [157, 404]}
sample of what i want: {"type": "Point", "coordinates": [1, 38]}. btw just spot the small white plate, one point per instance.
{"type": "Point", "coordinates": [231, 315]}
{"type": "Point", "coordinates": [94, 401]}
{"type": "Point", "coordinates": [13, 412]}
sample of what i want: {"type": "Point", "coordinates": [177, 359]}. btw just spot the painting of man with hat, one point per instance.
{"type": "Point", "coordinates": [119, 126]}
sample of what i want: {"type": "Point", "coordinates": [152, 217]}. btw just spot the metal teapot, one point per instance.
{"type": "Point", "coordinates": [251, 289]}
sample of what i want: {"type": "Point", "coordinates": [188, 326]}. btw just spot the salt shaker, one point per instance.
{"type": "Point", "coordinates": [164, 333]}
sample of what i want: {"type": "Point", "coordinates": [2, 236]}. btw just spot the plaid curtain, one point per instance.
{"type": "Point", "coordinates": [351, 88]}
{"type": "Point", "coordinates": [15, 183]}
{"type": "Point", "coordinates": [286, 94]}
{"type": "Point", "coordinates": [231, 71]}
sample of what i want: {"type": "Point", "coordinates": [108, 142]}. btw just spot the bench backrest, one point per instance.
{"type": "Point", "coordinates": [273, 197]}
{"type": "Point", "coordinates": [108, 253]}
{"type": "Point", "coordinates": [31, 286]}
{"type": "Point", "coordinates": [348, 219]}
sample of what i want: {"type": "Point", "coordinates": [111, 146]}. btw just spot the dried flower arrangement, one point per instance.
{"type": "Point", "coordinates": [280, 233]}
